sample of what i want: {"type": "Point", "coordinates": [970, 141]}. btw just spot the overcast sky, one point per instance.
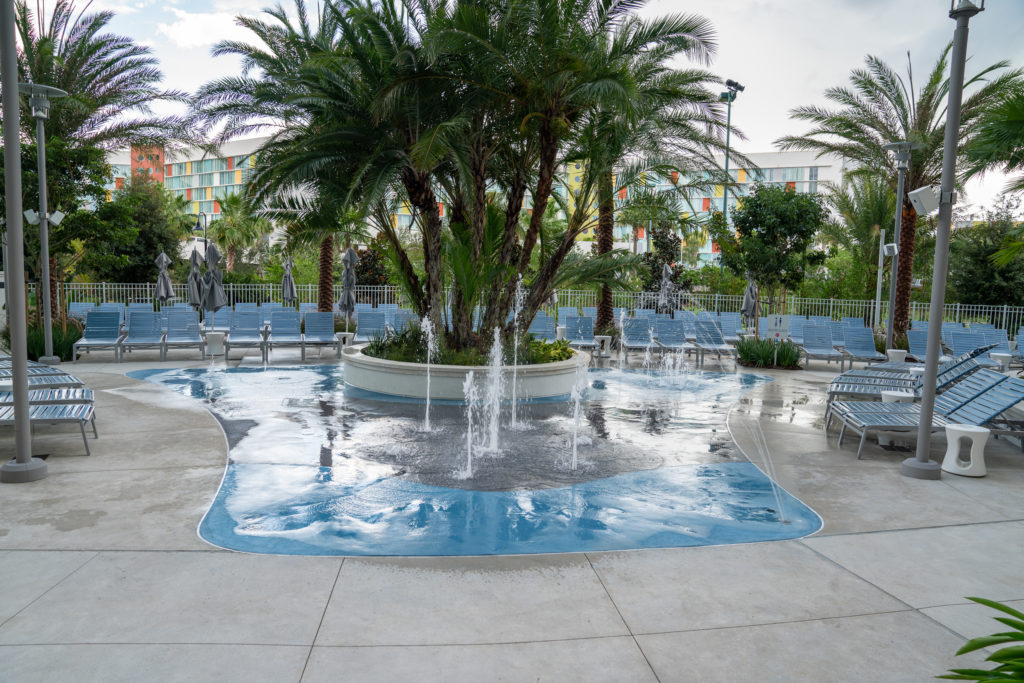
{"type": "Point", "coordinates": [786, 52]}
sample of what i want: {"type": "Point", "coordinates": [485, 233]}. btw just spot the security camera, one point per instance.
{"type": "Point", "coordinates": [925, 200]}
{"type": "Point", "coordinates": [890, 249]}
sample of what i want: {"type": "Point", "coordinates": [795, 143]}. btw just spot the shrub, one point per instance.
{"type": "Point", "coordinates": [64, 337]}
{"type": "Point", "coordinates": [1010, 658]}
{"type": "Point", "coordinates": [408, 346]}
{"type": "Point", "coordinates": [762, 353]}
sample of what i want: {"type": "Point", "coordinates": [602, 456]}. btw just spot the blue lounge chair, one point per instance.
{"type": "Point", "coordinates": [859, 344]}
{"type": "Point", "coordinates": [731, 325]}
{"type": "Point", "coordinates": [643, 313]}
{"type": "Point", "coordinates": [543, 327]}
{"type": "Point", "coordinates": [796, 329]}
{"type": "Point", "coordinates": [247, 306]}
{"type": "Point", "coordinates": [671, 335]}
{"type": "Point", "coordinates": [246, 331]}
{"type": "Point", "coordinates": [854, 322]}
{"type": "Point", "coordinates": [50, 396]}
{"type": "Point", "coordinates": [402, 319]}
{"type": "Point", "coordinates": [33, 370]}
{"type": "Point", "coordinates": [871, 381]}
{"type": "Point", "coordinates": [320, 331]}
{"type": "Point", "coordinates": [637, 333]}
{"type": "Point", "coordinates": [285, 330]}
{"type": "Point", "coordinates": [982, 409]}
{"type": "Point", "coordinates": [102, 331]}
{"type": "Point", "coordinates": [60, 413]}
{"type": "Point", "coordinates": [41, 382]}
{"type": "Point", "coordinates": [218, 321]}
{"type": "Point", "coordinates": [818, 344]}
{"type": "Point", "coordinates": [307, 308]}
{"type": "Point", "coordinates": [590, 312]}
{"type": "Point", "coordinates": [579, 330]}
{"type": "Point", "coordinates": [143, 332]}
{"type": "Point", "coordinates": [619, 313]}
{"type": "Point", "coordinates": [79, 309]}
{"type": "Point", "coordinates": [370, 324]}
{"type": "Point", "coordinates": [709, 339]}
{"type": "Point", "coordinates": [919, 324]}
{"type": "Point", "coordinates": [565, 312]}
{"type": "Point", "coordinates": [138, 308]}
{"type": "Point", "coordinates": [267, 309]}
{"type": "Point", "coordinates": [707, 315]}
{"type": "Point", "coordinates": [965, 342]}
{"type": "Point", "coordinates": [183, 332]}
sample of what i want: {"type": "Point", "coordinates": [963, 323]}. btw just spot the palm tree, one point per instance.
{"type": "Point", "coordinates": [882, 107]}
{"type": "Point", "coordinates": [999, 142]}
{"type": "Point", "coordinates": [866, 204]}
{"type": "Point", "coordinates": [112, 82]}
{"type": "Point", "coordinates": [238, 228]}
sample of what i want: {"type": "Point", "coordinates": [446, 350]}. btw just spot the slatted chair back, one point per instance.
{"type": "Point", "coordinates": [370, 324]}
{"type": "Point", "coordinates": [543, 327]}
{"type": "Point", "coordinates": [670, 332]}
{"type": "Point", "coordinates": [709, 334]}
{"type": "Point", "coordinates": [319, 326]}
{"type": "Point", "coordinates": [102, 326]}
{"type": "Point", "coordinates": [182, 326]}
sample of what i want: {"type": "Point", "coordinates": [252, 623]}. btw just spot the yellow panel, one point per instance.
{"type": "Point", "coordinates": [718, 190]}
{"type": "Point", "coordinates": [209, 193]}
{"type": "Point", "coordinates": [188, 168]}
{"type": "Point", "coordinates": [741, 175]}
{"type": "Point", "coordinates": [238, 177]}
{"type": "Point", "coordinates": [195, 207]}
{"type": "Point", "coordinates": [739, 202]}
{"type": "Point", "coordinates": [686, 214]}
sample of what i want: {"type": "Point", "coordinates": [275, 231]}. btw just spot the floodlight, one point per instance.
{"type": "Point", "coordinates": [890, 249]}
{"type": "Point", "coordinates": [924, 199]}
{"type": "Point", "coordinates": [32, 217]}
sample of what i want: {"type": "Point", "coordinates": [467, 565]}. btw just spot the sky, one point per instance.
{"type": "Point", "coordinates": [786, 52]}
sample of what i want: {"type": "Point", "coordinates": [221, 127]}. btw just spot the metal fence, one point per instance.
{"type": "Point", "coordinates": [1009, 318]}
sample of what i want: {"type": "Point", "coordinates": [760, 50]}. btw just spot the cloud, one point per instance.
{"type": "Point", "coordinates": [198, 29]}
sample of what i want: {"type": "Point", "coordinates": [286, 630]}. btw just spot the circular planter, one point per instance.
{"type": "Point", "coordinates": [394, 378]}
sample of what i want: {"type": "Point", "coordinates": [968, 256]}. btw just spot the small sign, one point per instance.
{"type": "Point", "coordinates": [776, 327]}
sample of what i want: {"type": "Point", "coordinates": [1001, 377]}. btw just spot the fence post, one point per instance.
{"type": "Point", "coordinates": [831, 309]}
{"type": "Point", "coordinates": [957, 312]}
{"type": "Point", "coordinates": [1005, 311]}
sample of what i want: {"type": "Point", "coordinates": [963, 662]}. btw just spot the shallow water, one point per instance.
{"type": "Point", "coordinates": [319, 468]}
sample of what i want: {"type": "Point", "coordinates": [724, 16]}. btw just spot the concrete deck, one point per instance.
{"type": "Point", "coordinates": [104, 578]}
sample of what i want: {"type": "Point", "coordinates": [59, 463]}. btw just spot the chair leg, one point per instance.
{"type": "Point", "coordinates": [95, 434]}
{"type": "Point", "coordinates": [85, 440]}
{"type": "Point", "coordinates": [842, 433]}
{"type": "Point", "coordinates": [863, 438]}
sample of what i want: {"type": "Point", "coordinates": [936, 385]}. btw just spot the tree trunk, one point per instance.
{"type": "Point", "coordinates": [545, 177]}
{"type": "Point", "coordinates": [423, 199]}
{"type": "Point", "coordinates": [325, 297]}
{"type": "Point", "coordinates": [905, 270]}
{"type": "Point", "coordinates": [605, 242]}
{"type": "Point", "coordinates": [230, 263]}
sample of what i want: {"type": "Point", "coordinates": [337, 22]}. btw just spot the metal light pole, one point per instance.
{"type": "Point", "coordinates": [920, 466]}
{"type": "Point", "coordinates": [728, 96]}
{"type": "Point", "coordinates": [39, 101]}
{"type": "Point", "coordinates": [204, 225]}
{"type": "Point", "coordinates": [902, 150]}
{"type": "Point", "coordinates": [878, 285]}
{"type": "Point", "coordinates": [23, 467]}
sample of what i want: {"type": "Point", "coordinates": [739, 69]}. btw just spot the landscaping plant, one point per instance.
{"type": "Point", "coordinates": [1010, 659]}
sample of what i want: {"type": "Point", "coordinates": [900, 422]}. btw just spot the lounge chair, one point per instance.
{"type": "Point", "coordinates": [731, 325]}
{"type": "Point", "coordinates": [102, 331]}
{"type": "Point", "coordinates": [49, 396]}
{"type": "Point", "coordinates": [590, 312]}
{"type": "Point", "coordinates": [637, 333]}
{"type": "Point", "coordinates": [965, 342]}
{"type": "Point", "coordinates": [853, 322]}
{"type": "Point", "coordinates": [859, 344]}
{"type": "Point", "coordinates": [247, 306]}
{"type": "Point", "coordinates": [79, 309]}
{"type": "Point", "coordinates": [285, 330]}
{"type": "Point", "coordinates": [320, 332]}
{"type": "Point", "coordinates": [33, 369]}
{"type": "Point", "coordinates": [565, 312]}
{"type": "Point", "coordinates": [217, 321]}
{"type": "Point", "coordinates": [402, 319]}
{"type": "Point", "coordinates": [307, 308]}
{"type": "Point", "coordinates": [643, 313]}
{"type": "Point", "coordinates": [709, 339]}
{"type": "Point", "coordinates": [40, 382]}
{"type": "Point", "coordinates": [983, 409]}
{"type": "Point", "coordinates": [183, 332]}
{"type": "Point", "coordinates": [872, 381]}
{"type": "Point", "coordinates": [138, 308]}
{"type": "Point", "coordinates": [543, 327]}
{"type": "Point", "coordinates": [818, 344]}
{"type": "Point", "coordinates": [579, 330]}
{"type": "Point", "coordinates": [370, 324]}
{"type": "Point", "coordinates": [143, 332]}
{"type": "Point", "coordinates": [59, 413]}
{"type": "Point", "coordinates": [267, 309]}
{"type": "Point", "coordinates": [115, 307]}
{"type": "Point", "coordinates": [246, 331]}
{"type": "Point", "coordinates": [671, 335]}
{"type": "Point", "coordinates": [918, 341]}
{"type": "Point", "coordinates": [796, 329]}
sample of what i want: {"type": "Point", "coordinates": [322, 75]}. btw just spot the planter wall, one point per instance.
{"type": "Point", "coordinates": [393, 378]}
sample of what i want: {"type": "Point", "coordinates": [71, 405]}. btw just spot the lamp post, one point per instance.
{"type": "Point", "coordinates": [39, 102]}
{"type": "Point", "coordinates": [920, 466]}
{"type": "Point", "coordinates": [202, 225]}
{"type": "Point", "coordinates": [732, 87]}
{"type": "Point", "coordinates": [23, 467]}
{"type": "Point", "coordinates": [902, 150]}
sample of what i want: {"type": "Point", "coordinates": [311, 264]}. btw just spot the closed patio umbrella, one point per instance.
{"type": "Point", "coordinates": [288, 294]}
{"type": "Point", "coordinates": [349, 260]}
{"type": "Point", "coordinates": [195, 280]}
{"type": "Point", "coordinates": [749, 307]}
{"type": "Point", "coordinates": [214, 297]}
{"type": "Point", "coordinates": [164, 290]}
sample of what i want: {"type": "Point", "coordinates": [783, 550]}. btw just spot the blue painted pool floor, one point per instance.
{"type": "Point", "coordinates": [313, 471]}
